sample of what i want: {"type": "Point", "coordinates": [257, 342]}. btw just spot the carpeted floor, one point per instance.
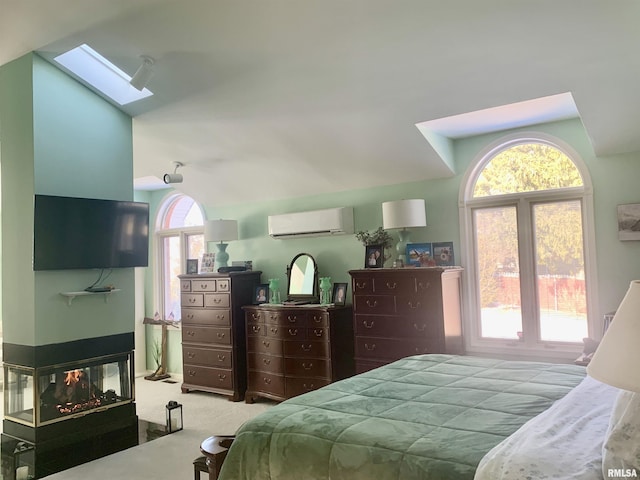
{"type": "Point", "coordinates": [171, 456]}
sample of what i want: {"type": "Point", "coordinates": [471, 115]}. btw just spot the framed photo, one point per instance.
{"type": "Point", "coordinates": [374, 256]}
{"type": "Point", "coordinates": [192, 265]}
{"type": "Point", "coordinates": [629, 222]}
{"type": "Point", "coordinates": [261, 294]}
{"type": "Point", "coordinates": [420, 255]}
{"type": "Point", "coordinates": [443, 254]}
{"type": "Point", "coordinates": [208, 263]}
{"type": "Point", "coordinates": [339, 295]}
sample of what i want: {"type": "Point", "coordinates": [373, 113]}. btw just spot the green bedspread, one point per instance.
{"type": "Point", "coordinates": [428, 417]}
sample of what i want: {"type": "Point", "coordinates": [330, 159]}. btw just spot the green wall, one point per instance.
{"type": "Point", "coordinates": [58, 138]}
{"type": "Point", "coordinates": [614, 180]}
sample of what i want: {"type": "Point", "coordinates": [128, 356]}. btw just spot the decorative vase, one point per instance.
{"type": "Point", "coordinates": [325, 290]}
{"type": "Point", "coordinates": [274, 290]}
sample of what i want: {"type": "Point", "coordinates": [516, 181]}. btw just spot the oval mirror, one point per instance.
{"type": "Point", "coordinates": [302, 276]}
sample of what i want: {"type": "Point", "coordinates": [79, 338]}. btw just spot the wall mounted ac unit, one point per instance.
{"type": "Point", "coordinates": [331, 221]}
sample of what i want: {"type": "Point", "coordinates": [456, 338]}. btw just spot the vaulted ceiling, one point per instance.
{"type": "Point", "coordinates": [266, 99]}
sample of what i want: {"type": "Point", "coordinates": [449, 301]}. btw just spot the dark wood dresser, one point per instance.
{"type": "Point", "coordinates": [405, 311]}
{"type": "Point", "coordinates": [296, 349]}
{"type": "Point", "coordinates": [213, 333]}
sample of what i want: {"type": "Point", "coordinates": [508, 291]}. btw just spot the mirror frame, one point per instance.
{"type": "Point", "coordinates": [308, 298]}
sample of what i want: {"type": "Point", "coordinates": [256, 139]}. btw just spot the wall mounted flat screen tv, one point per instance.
{"type": "Point", "coordinates": [84, 233]}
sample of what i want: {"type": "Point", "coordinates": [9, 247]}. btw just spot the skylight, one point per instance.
{"type": "Point", "coordinates": [101, 74]}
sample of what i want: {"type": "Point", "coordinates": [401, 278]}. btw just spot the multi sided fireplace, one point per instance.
{"type": "Point", "coordinates": [58, 414]}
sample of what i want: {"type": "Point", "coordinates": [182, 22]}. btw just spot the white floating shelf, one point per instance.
{"type": "Point", "coordinates": [71, 295]}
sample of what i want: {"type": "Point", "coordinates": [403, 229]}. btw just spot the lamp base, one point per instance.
{"type": "Point", "coordinates": [222, 257]}
{"type": "Point", "coordinates": [401, 246]}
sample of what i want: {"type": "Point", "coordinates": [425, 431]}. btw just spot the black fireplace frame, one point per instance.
{"type": "Point", "coordinates": [78, 439]}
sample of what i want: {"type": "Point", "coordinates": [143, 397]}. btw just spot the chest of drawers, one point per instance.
{"type": "Point", "coordinates": [293, 350]}
{"type": "Point", "coordinates": [213, 331]}
{"type": "Point", "coordinates": [402, 312]}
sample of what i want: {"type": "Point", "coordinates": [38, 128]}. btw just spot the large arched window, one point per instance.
{"type": "Point", "coordinates": [180, 235]}
{"type": "Point", "coordinates": [526, 212]}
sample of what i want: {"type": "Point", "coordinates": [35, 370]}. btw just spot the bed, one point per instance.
{"type": "Point", "coordinates": [428, 417]}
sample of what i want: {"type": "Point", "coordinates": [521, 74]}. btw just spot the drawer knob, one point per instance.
{"type": "Point", "coordinates": [185, 286]}
{"type": "Point", "coordinates": [273, 316]}
{"type": "Point", "coordinates": [203, 286]}
{"type": "Point", "coordinates": [222, 377]}
{"type": "Point", "coordinates": [221, 357]}
{"type": "Point", "coordinates": [317, 318]}
{"type": "Point", "coordinates": [293, 332]}
{"type": "Point", "coordinates": [392, 285]}
{"type": "Point", "coordinates": [192, 373]}
{"type": "Point", "coordinates": [266, 361]}
{"type": "Point", "coordinates": [217, 300]}
{"type": "Point", "coordinates": [372, 304]}
{"type": "Point", "coordinates": [318, 332]}
{"type": "Point", "coordinates": [265, 343]}
{"type": "Point", "coordinates": [221, 335]}
{"type": "Point", "coordinates": [274, 330]}
{"type": "Point", "coordinates": [368, 324]}
{"type": "Point", "coordinates": [191, 355]}
{"type": "Point", "coordinates": [309, 387]}
{"type": "Point", "coordinates": [256, 328]}
{"type": "Point", "coordinates": [191, 333]}
{"type": "Point", "coordinates": [370, 348]}
{"type": "Point", "coordinates": [413, 305]}
{"type": "Point", "coordinates": [292, 318]}
{"type": "Point", "coordinates": [306, 348]}
{"type": "Point", "coordinates": [220, 316]}
{"type": "Point", "coordinates": [192, 300]}
{"type": "Point", "coordinates": [190, 316]}
{"type": "Point", "coordinates": [361, 285]}
{"type": "Point", "coordinates": [420, 327]}
{"type": "Point", "coordinates": [255, 316]}
{"type": "Point", "coordinates": [307, 366]}
{"type": "Point", "coordinates": [267, 380]}
{"type": "Point", "coordinates": [423, 286]}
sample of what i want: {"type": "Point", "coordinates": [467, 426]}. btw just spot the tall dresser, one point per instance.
{"type": "Point", "coordinates": [213, 331]}
{"type": "Point", "coordinates": [296, 349]}
{"type": "Point", "coordinates": [405, 311]}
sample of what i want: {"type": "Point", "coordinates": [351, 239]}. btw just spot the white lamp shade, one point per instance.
{"type": "Point", "coordinates": [221, 230]}
{"type": "Point", "coordinates": [617, 358]}
{"type": "Point", "coordinates": [404, 214]}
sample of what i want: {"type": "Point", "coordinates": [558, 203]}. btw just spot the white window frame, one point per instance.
{"type": "Point", "coordinates": [531, 347]}
{"type": "Point", "coordinates": [160, 236]}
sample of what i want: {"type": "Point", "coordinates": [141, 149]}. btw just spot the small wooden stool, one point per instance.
{"type": "Point", "coordinates": [200, 465]}
{"type": "Point", "coordinates": [215, 451]}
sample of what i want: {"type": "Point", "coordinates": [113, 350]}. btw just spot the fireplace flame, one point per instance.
{"type": "Point", "coordinates": [72, 377]}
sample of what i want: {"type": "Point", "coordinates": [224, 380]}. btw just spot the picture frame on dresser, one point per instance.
{"type": "Point", "coordinates": [374, 256]}
{"type": "Point", "coordinates": [192, 266]}
{"type": "Point", "coordinates": [339, 294]}
{"type": "Point", "coordinates": [261, 294]}
{"type": "Point", "coordinates": [443, 254]}
{"type": "Point", "coordinates": [208, 263]}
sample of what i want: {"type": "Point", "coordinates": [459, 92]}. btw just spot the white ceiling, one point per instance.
{"type": "Point", "coordinates": [255, 95]}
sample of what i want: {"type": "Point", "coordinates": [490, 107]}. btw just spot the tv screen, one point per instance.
{"type": "Point", "coordinates": [82, 233]}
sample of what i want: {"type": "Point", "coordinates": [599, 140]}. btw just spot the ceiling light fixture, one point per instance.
{"type": "Point", "coordinates": [143, 74]}
{"type": "Point", "coordinates": [174, 177]}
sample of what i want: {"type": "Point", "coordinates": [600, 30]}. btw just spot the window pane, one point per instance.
{"type": "Point", "coordinates": [527, 168]}
{"type": "Point", "coordinates": [497, 257]}
{"type": "Point", "coordinates": [562, 298]}
{"type": "Point", "coordinates": [182, 212]}
{"type": "Point", "coordinates": [195, 246]}
{"type": "Point", "coordinates": [171, 283]}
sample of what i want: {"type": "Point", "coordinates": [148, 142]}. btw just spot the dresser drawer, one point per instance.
{"type": "Point", "coordinates": [362, 284]}
{"type": "Point", "coordinates": [287, 318]}
{"type": "Point", "coordinates": [306, 349]}
{"type": "Point", "coordinates": [208, 357]}
{"type": "Point", "coordinates": [307, 367]}
{"type": "Point", "coordinates": [217, 300]}
{"type": "Point", "coordinates": [318, 319]}
{"type": "Point", "coordinates": [256, 329]}
{"type": "Point", "coordinates": [391, 326]}
{"type": "Point", "coordinates": [220, 336]}
{"type": "Point", "coordinates": [192, 300]}
{"type": "Point", "coordinates": [271, 346]}
{"type": "Point", "coordinates": [204, 285]}
{"type": "Point", "coordinates": [266, 382]}
{"type": "Point", "coordinates": [376, 304]}
{"type": "Point", "coordinates": [206, 317]}
{"type": "Point", "coordinates": [392, 348]}
{"type": "Point", "coordinates": [255, 316]}
{"type": "Point", "coordinates": [298, 386]}
{"type": "Point", "coordinates": [266, 363]}
{"type": "Point", "coordinates": [185, 285]}
{"type": "Point", "coordinates": [394, 284]}
{"type": "Point", "coordinates": [208, 377]}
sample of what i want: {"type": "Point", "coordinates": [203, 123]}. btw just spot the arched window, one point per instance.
{"type": "Point", "coordinates": [180, 235]}
{"type": "Point", "coordinates": [527, 215]}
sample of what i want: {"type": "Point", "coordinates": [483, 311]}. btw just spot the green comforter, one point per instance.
{"type": "Point", "coordinates": [427, 417]}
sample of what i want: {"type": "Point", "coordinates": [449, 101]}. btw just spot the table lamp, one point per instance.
{"type": "Point", "coordinates": [403, 214]}
{"type": "Point", "coordinates": [616, 362]}
{"type": "Point", "coordinates": [221, 231]}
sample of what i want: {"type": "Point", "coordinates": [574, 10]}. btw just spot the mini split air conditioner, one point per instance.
{"type": "Point", "coordinates": [331, 221]}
